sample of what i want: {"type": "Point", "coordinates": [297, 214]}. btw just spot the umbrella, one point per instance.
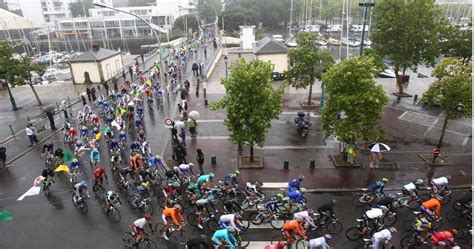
{"type": "Point", "coordinates": [194, 114]}
{"type": "Point", "coordinates": [178, 125]}
{"type": "Point", "coordinates": [5, 215]}
{"type": "Point", "coordinates": [378, 147]}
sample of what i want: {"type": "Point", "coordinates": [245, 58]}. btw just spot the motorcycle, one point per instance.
{"type": "Point", "coordinates": [303, 124]}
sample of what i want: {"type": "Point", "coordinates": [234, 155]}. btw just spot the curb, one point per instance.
{"type": "Point", "coordinates": [347, 190]}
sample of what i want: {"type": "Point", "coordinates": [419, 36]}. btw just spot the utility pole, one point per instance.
{"type": "Point", "coordinates": [366, 6]}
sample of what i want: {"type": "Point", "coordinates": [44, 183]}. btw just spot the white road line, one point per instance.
{"type": "Point", "coordinates": [263, 226]}
{"type": "Point", "coordinates": [258, 244]}
{"type": "Point", "coordinates": [210, 121]}
{"type": "Point", "coordinates": [289, 147]}
{"type": "Point", "coordinates": [209, 137]}
{"type": "Point", "coordinates": [275, 185]}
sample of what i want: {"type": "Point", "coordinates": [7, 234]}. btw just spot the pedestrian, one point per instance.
{"type": "Point", "coordinates": [184, 104]}
{"type": "Point", "coordinates": [31, 134]}
{"type": "Point", "coordinates": [3, 156]}
{"type": "Point", "coordinates": [187, 85]}
{"type": "Point", "coordinates": [63, 108]}
{"type": "Point", "coordinates": [114, 82]}
{"type": "Point", "coordinates": [130, 71]}
{"type": "Point", "coordinates": [192, 127]}
{"type": "Point", "coordinates": [183, 94]}
{"type": "Point", "coordinates": [106, 87]}
{"type": "Point", "coordinates": [88, 92]}
{"type": "Point", "coordinates": [180, 110]}
{"type": "Point", "coordinates": [83, 100]}
{"type": "Point", "coordinates": [205, 52]}
{"type": "Point", "coordinates": [436, 152]}
{"type": "Point", "coordinates": [200, 68]}
{"type": "Point", "coordinates": [350, 154]}
{"type": "Point", "coordinates": [124, 76]}
{"type": "Point", "coordinates": [93, 94]}
{"type": "Point", "coordinates": [181, 154]}
{"type": "Point", "coordinates": [195, 67]}
{"type": "Point", "coordinates": [50, 114]}
{"type": "Point", "coordinates": [182, 135]}
{"type": "Point", "coordinates": [200, 161]}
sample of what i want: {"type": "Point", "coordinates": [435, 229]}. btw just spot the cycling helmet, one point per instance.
{"type": "Point", "coordinates": [334, 202]}
{"type": "Point", "coordinates": [237, 172]}
{"type": "Point", "coordinates": [392, 195]}
{"type": "Point", "coordinates": [71, 129]}
{"type": "Point", "coordinates": [327, 236]}
{"type": "Point", "coordinates": [48, 143]}
{"type": "Point", "coordinates": [392, 230]}
{"type": "Point", "coordinates": [454, 232]}
{"type": "Point", "coordinates": [83, 183]}
{"type": "Point", "coordinates": [384, 208]}
{"type": "Point", "coordinates": [140, 190]}
{"type": "Point", "coordinates": [74, 160]}
{"type": "Point", "coordinates": [448, 177]}
{"type": "Point", "coordinates": [114, 140]}
{"type": "Point", "coordinates": [147, 216]}
{"type": "Point", "coordinates": [310, 211]}
{"type": "Point", "coordinates": [177, 206]}
{"type": "Point", "coordinates": [301, 177]}
{"type": "Point", "coordinates": [176, 168]}
{"type": "Point", "coordinates": [79, 142]}
{"type": "Point", "coordinates": [95, 128]}
{"type": "Point", "coordinates": [203, 237]}
{"type": "Point", "coordinates": [211, 175]}
{"type": "Point", "coordinates": [191, 164]}
{"type": "Point", "coordinates": [122, 132]}
{"type": "Point", "coordinates": [419, 182]}
{"type": "Point", "coordinates": [237, 216]}
{"type": "Point", "coordinates": [112, 193]}
{"type": "Point", "coordinates": [385, 180]}
{"type": "Point", "coordinates": [279, 196]}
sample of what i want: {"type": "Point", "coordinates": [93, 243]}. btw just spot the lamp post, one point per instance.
{"type": "Point", "coordinates": [366, 6]}
{"type": "Point", "coordinates": [215, 22]}
{"type": "Point", "coordinates": [225, 62]}
{"type": "Point", "coordinates": [152, 26]}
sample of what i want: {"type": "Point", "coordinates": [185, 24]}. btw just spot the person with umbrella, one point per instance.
{"type": "Point", "coordinates": [375, 153]}
{"type": "Point", "coordinates": [193, 115]}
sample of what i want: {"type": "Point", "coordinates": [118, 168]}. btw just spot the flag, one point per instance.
{"type": "Point", "coordinates": [122, 111]}
{"type": "Point", "coordinates": [67, 156]}
{"type": "Point", "coordinates": [97, 136]}
{"type": "Point", "coordinates": [35, 190]}
{"type": "Point", "coordinates": [64, 168]}
{"type": "Point", "coordinates": [5, 215]}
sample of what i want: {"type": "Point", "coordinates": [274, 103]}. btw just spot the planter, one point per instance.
{"type": "Point", "coordinates": [245, 163]}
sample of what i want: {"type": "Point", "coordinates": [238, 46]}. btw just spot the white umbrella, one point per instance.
{"type": "Point", "coordinates": [378, 147]}
{"type": "Point", "coordinates": [194, 114]}
{"type": "Point", "coordinates": [178, 125]}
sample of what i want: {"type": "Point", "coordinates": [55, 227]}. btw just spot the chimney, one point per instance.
{"type": "Point", "coordinates": [95, 47]}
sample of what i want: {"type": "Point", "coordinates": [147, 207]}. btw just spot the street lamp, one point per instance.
{"type": "Point", "coordinates": [153, 28]}
{"type": "Point", "coordinates": [366, 6]}
{"type": "Point", "coordinates": [225, 62]}
{"type": "Point", "coordinates": [215, 22]}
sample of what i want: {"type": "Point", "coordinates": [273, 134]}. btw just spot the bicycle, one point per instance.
{"type": "Point", "coordinates": [298, 241]}
{"type": "Point", "coordinates": [210, 220]}
{"type": "Point", "coordinates": [266, 217]}
{"type": "Point", "coordinates": [367, 198]}
{"type": "Point", "coordinates": [361, 230]}
{"type": "Point", "coordinates": [331, 224]}
{"type": "Point", "coordinates": [385, 244]}
{"type": "Point", "coordinates": [415, 240]}
{"type": "Point", "coordinates": [110, 210]}
{"type": "Point", "coordinates": [413, 202]}
{"type": "Point", "coordinates": [80, 203]}
{"type": "Point", "coordinates": [178, 235]}
{"type": "Point", "coordinates": [48, 160]}
{"type": "Point", "coordinates": [142, 204]}
{"type": "Point", "coordinates": [128, 239]}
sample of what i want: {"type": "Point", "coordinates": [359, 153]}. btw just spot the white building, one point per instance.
{"type": "Point", "coordinates": [273, 51]}
{"type": "Point", "coordinates": [176, 8]}
{"type": "Point", "coordinates": [247, 37]}
{"type": "Point", "coordinates": [99, 64]}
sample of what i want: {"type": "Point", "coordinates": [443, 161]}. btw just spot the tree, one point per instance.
{"type": "Point", "coordinates": [452, 90]}
{"type": "Point", "coordinates": [22, 74]}
{"type": "Point", "coordinates": [238, 16]}
{"type": "Point", "coordinates": [81, 7]}
{"type": "Point", "coordinates": [191, 21]}
{"type": "Point", "coordinates": [407, 32]}
{"type": "Point", "coordinates": [309, 62]}
{"type": "Point", "coordinates": [456, 42]}
{"type": "Point", "coordinates": [356, 102]}
{"type": "Point", "coordinates": [251, 102]}
{"type": "Point", "coordinates": [134, 3]}
{"type": "Point", "coordinates": [6, 63]}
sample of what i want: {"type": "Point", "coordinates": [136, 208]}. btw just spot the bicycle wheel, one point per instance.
{"type": "Point", "coordinates": [73, 202]}
{"type": "Point", "coordinates": [148, 244]}
{"type": "Point", "coordinates": [453, 215]}
{"type": "Point", "coordinates": [115, 215]}
{"type": "Point", "coordinates": [159, 228]}
{"type": "Point", "coordinates": [192, 219]}
{"type": "Point", "coordinates": [302, 244]}
{"type": "Point", "coordinates": [334, 227]}
{"type": "Point", "coordinates": [457, 206]}
{"type": "Point", "coordinates": [83, 207]}
{"type": "Point", "coordinates": [446, 199]}
{"type": "Point", "coordinates": [243, 244]}
{"type": "Point", "coordinates": [146, 209]}
{"type": "Point", "coordinates": [353, 234]}
{"type": "Point", "coordinates": [212, 224]}
{"type": "Point", "coordinates": [408, 225]}
{"type": "Point", "coordinates": [407, 241]}
{"type": "Point", "coordinates": [414, 204]}
{"type": "Point", "coordinates": [389, 220]}
{"type": "Point", "coordinates": [245, 204]}
{"type": "Point", "coordinates": [357, 200]}
{"type": "Point", "coordinates": [277, 224]}
{"type": "Point", "coordinates": [128, 239]}
{"type": "Point", "coordinates": [162, 201]}
{"type": "Point", "coordinates": [256, 218]}
{"type": "Point", "coordinates": [245, 223]}
{"type": "Point", "coordinates": [181, 237]}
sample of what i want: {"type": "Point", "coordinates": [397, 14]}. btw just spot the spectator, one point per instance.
{"type": "Point", "coordinates": [83, 100]}
{"type": "Point", "coordinates": [88, 92]}
{"type": "Point", "coordinates": [106, 87]}
{"type": "Point", "coordinates": [31, 133]}
{"type": "Point", "coordinates": [50, 114]}
{"type": "Point", "coordinates": [93, 94]}
{"type": "Point", "coordinates": [3, 156]}
{"type": "Point", "coordinates": [64, 108]}
{"type": "Point", "coordinates": [205, 52]}
{"type": "Point", "coordinates": [192, 127]}
{"type": "Point", "coordinates": [200, 160]}
{"type": "Point", "coordinates": [200, 68]}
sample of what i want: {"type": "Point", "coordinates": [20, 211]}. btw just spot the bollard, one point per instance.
{"type": "Point", "coordinates": [69, 100]}
{"type": "Point", "coordinates": [206, 102]}
{"type": "Point", "coordinates": [197, 92]}
{"type": "Point", "coordinates": [213, 160]}
{"type": "Point", "coordinates": [204, 92]}
{"type": "Point", "coordinates": [286, 164]}
{"type": "Point", "coordinates": [415, 98]}
{"type": "Point", "coordinates": [312, 164]}
{"type": "Point", "coordinates": [11, 129]}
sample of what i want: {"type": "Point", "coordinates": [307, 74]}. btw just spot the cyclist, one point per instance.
{"type": "Point", "coordinates": [444, 238]}
{"type": "Point", "coordinates": [411, 190]}
{"type": "Point", "coordinates": [196, 243]}
{"type": "Point", "coordinates": [306, 215]}
{"type": "Point", "coordinates": [83, 133]}
{"type": "Point", "coordinates": [432, 205]}
{"type": "Point", "coordinates": [122, 137]}
{"type": "Point", "coordinates": [136, 161]}
{"type": "Point", "coordinates": [115, 160]}
{"type": "Point", "coordinates": [186, 169]}
{"type": "Point", "coordinates": [71, 133]}
{"type": "Point", "coordinates": [48, 175]}
{"type": "Point", "coordinates": [48, 148]}
{"type": "Point", "coordinates": [79, 147]}
{"type": "Point", "coordinates": [226, 235]}
{"type": "Point", "coordinates": [377, 187]}
{"type": "Point", "coordinates": [135, 147]}
{"type": "Point", "coordinates": [440, 183]}
{"type": "Point", "coordinates": [153, 161]}
{"type": "Point", "coordinates": [320, 243]}
{"type": "Point", "coordinates": [422, 225]}
{"type": "Point", "coordinates": [387, 201]}
{"type": "Point", "coordinates": [171, 213]}
{"type": "Point", "coordinates": [294, 226]}
{"type": "Point", "coordinates": [201, 210]}
{"type": "Point", "coordinates": [114, 146]}
{"type": "Point", "coordinates": [232, 220]}
{"type": "Point", "coordinates": [383, 236]}
{"type": "Point", "coordinates": [75, 167]}
{"type": "Point", "coordinates": [374, 215]}
{"type": "Point", "coordinates": [205, 179]}
{"type": "Point", "coordinates": [326, 208]}
{"type": "Point", "coordinates": [146, 148]}
{"type": "Point", "coordinates": [111, 199]}
{"type": "Point", "coordinates": [80, 188]}
{"type": "Point", "coordinates": [295, 184]}
{"type": "Point", "coordinates": [231, 178]}
{"type": "Point", "coordinates": [139, 226]}
{"type": "Point", "coordinates": [230, 206]}
{"type": "Point", "coordinates": [94, 132]}
{"type": "Point", "coordinates": [296, 196]}
{"type": "Point", "coordinates": [272, 204]}
{"type": "Point", "coordinates": [94, 157]}
{"type": "Point", "coordinates": [99, 175]}
{"type": "Point", "coordinates": [58, 155]}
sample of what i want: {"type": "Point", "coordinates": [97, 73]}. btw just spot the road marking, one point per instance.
{"type": "Point", "coordinates": [275, 185]}
{"type": "Point", "coordinates": [258, 244]}
{"type": "Point", "coordinates": [210, 121]}
{"type": "Point", "coordinates": [264, 225]}
{"type": "Point", "coordinates": [209, 137]}
{"type": "Point", "coordinates": [289, 147]}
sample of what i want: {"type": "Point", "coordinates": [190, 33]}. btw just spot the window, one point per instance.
{"type": "Point", "coordinates": [97, 24]}
{"type": "Point", "coordinates": [112, 23]}
{"type": "Point", "coordinates": [127, 23]}
{"type": "Point", "coordinates": [117, 65]}
{"type": "Point", "coordinates": [109, 71]}
{"type": "Point", "coordinates": [66, 25]}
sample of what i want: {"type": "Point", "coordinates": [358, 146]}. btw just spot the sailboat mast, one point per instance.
{"type": "Point", "coordinates": [291, 18]}
{"type": "Point", "coordinates": [342, 27]}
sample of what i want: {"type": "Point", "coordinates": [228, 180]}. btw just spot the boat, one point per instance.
{"type": "Point", "coordinates": [322, 42]}
{"type": "Point", "coordinates": [350, 42]}
{"type": "Point", "coordinates": [334, 42]}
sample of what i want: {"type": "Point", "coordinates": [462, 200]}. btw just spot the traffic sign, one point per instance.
{"type": "Point", "coordinates": [168, 121]}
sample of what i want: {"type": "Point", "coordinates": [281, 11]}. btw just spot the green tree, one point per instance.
{"type": "Point", "coordinates": [22, 74]}
{"type": "Point", "coordinates": [78, 7]}
{"type": "Point", "coordinates": [251, 102]}
{"type": "Point", "coordinates": [133, 3]}
{"type": "Point", "coordinates": [309, 62]}
{"type": "Point", "coordinates": [191, 21]}
{"type": "Point", "coordinates": [6, 63]}
{"type": "Point", "coordinates": [452, 90]}
{"type": "Point", "coordinates": [457, 42]}
{"type": "Point", "coordinates": [233, 18]}
{"type": "Point", "coordinates": [356, 102]}
{"type": "Point", "coordinates": [407, 32]}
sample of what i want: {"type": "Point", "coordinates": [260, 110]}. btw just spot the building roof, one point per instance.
{"type": "Point", "coordinates": [99, 54]}
{"type": "Point", "coordinates": [269, 46]}
{"type": "Point", "coordinates": [11, 21]}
